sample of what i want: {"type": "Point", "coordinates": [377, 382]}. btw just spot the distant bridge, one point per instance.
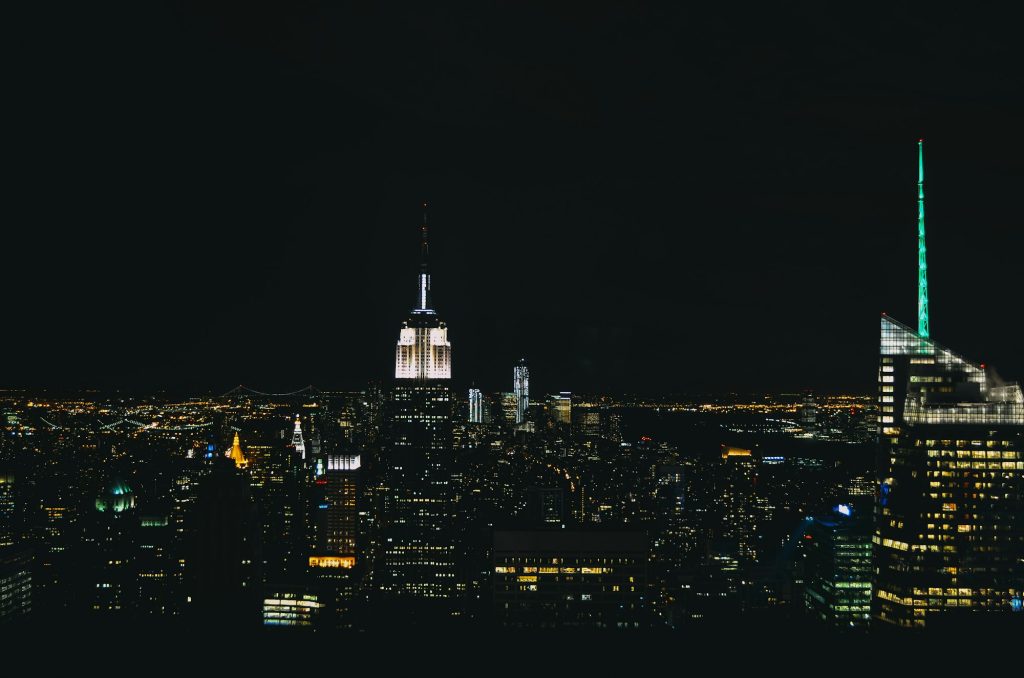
{"type": "Point", "coordinates": [242, 388]}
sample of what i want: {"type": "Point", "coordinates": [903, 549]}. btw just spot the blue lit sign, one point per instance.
{"type": "Point", "coordinates": [844, 509]}
{"type": "Point", "coordinates": [1016, 604]}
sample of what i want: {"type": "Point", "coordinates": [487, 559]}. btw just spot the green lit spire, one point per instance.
{"type": "Point", "coordinates": [922, 261]}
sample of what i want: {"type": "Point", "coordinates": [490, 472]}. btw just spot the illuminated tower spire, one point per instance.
{"type": "Point", "coordinates": [297, 441]}
{"type": "Point", "coordinates": [423, 350]}
{"type": "Point", "coordinates": [922, 262]}
{"type": "Point", "coordinates": [236, 453]}
{"type": "Point", "coordinates": [423, 300]}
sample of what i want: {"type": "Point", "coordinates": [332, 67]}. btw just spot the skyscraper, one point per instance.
{"type": "Point", "coordinates": [297, 441]}
{"type": "Point", "coordinates": [949, 518]}
{"type": "Point", "coordinates": [740, 515]}
{"type": "Point", "coordinates": [341, 526]}
{"type": "Point", "coordinates": [224, 567]}
{"type": "Point", "coordinates": [8, 515]}
{"type": "Point", "coordinates": [476, 406]}
{"type": "Point", "coordinates": [111, 535]}
{"type": "Point", "coordinates": [838, 567]}
{"type": "Point", "coordinates": [949, 530]}
{"type": "Point", "coordinates": [418, 512]}
{"type": "Point", "coordinates": [521, 387]}
{"type": "Point", "coordinates": [560, 408]}
{"type": "Point", "coordinates": [333, 563]}
{"type": "Point", "coordinates": [235, 453]}
{"type": "Point", "coordinates": [15, 584]}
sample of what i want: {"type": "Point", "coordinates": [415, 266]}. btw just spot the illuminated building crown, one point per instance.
{"type": "Point", "coordinates": [423, 350]}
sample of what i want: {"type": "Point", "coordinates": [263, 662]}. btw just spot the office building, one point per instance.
{"type": "Point", "coordinates": [560, 408]}
{"type": "Point", "coordinates": [837, 567]}
{"type": "Point", "coordinates": [476, 406]}
{"type": "Point", "coordinates": [521, 388]}
{"type": "Point", "coordinates": [15, 584]}
{"type": "Point", "coordinates": [949, 517]}
{"type": "Point", "coordinates": [740, 509]}
{"type": "Point", "coordinates": [417, 526]}
{"type": "Point", "coordinates": [570, 579]}
{"type": "Point", "coordinates": [8, 513]}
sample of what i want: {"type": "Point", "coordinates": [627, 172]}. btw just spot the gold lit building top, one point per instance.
{"type": "Point", "coordinates": [344, 562]}
{"type": "Point", "coordinates": [728, 452]}
{"type": "Point", "coordinates": [236, 453]}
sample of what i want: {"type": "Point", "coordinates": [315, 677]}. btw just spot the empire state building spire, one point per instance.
{"type": "Point", "coordinates": [423, 300]}
{"type": "Point", "coordinates": [423, 350]}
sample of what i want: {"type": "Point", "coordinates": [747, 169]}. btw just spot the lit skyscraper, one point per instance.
{"type": "Point", "coordinates": [521, 387]}
{"type": "Point", "coordinates": [838, 568]}
{"type": "Point", "coordinates": [236, 454]}
{"type": "Point", "coordinates": [7, 509]}
{"type": "Point", "coordinates": [560, 408]}
{"type": "Point", "coordinates": [15, 584]}
{"type": "Point", "coordinates": [738, 499]}
{"type": "Point", "coordinates": [949, 519]}
{"type": "Point", "coordinates": [509, 407]}
{"type": "Point", "coordinates": [334, 561]}
{"type": "Point", "coordinates": [297, 440]}
{"type": "Point", "coordinates": [418, 497]}
{"type": "Point", "coordinates": [476, 406]}
{"type": "Point", "coordinates": [949, 530]}
{"type": "Point", "coordinates": [341, 525]}
{"type": "Point", "coordinates": [423, 350]}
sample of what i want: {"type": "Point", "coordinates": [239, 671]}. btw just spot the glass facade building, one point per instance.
{"type": "Point", "coordinates": [521, 387]}
{"type": "Point", "coordinates": [949, 515]}
{"type": "Point", "coordinates": [560, 408]}
{"type": "Point", "coordinates": [476, 406]}
{"type": "Point", "coordinates": [837, 567]}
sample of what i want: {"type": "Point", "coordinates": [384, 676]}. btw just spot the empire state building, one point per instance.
{"type": "Point", "coordinates": [423, 350]}
{"type": "Point", "coordinates": [418, 551]}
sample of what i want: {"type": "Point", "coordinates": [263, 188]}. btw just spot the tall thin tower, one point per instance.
{"type": "Point", "coordinates": [521, 386]}
{"type": "Point", "coordinates": [297, 441]}
{"type": "Point", "coordinates": [416, 574]}
{"type": "Point", "coordinates": [922, 260]}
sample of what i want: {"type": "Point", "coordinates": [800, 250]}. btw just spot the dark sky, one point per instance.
{"type": "Point", "coordinates": [633, 197]}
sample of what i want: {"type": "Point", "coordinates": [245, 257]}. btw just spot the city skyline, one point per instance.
{"type": "Point", "coordinates": [593, 221]}
{"type": "Point", "coordinates": [353, 323]}
{"type": "Point", "coordinates": [424, 305]}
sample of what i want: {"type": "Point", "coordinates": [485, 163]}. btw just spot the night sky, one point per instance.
{"type": "Point", "coordinates": [634, 198]}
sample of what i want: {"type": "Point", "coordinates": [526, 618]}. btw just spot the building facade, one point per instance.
{"type": "Point", "coordinates": [949, 519]}
{"type": "Point", "coordinates": [521, 387]}
{"type": "Point", "coordinates": [837, 568]}
{"type": "Point", "coordinates": [570, 579]}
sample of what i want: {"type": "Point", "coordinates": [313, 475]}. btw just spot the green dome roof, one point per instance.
{"type": "Point", "coordinates": [116, 497]}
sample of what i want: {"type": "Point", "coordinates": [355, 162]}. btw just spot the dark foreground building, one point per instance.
{"type": "Point", "coordinates": [15, 583]}
{"type": "Point", "coordinates": [570, 578]}
{"type": "Point", "coordinates": [837, 567]}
